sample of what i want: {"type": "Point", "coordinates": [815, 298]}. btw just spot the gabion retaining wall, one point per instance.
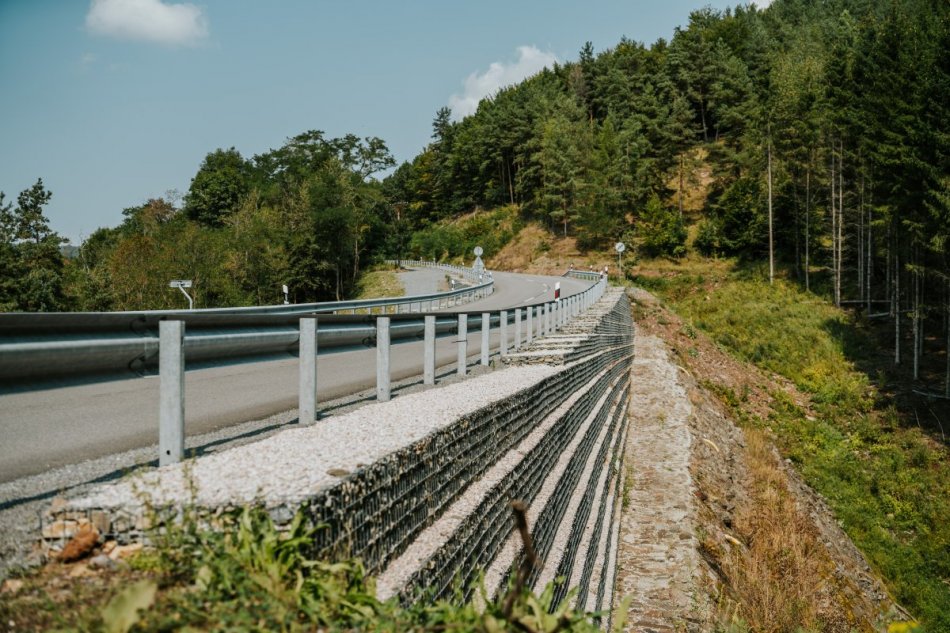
{"type": "Point", "coordinates": [376, 511]}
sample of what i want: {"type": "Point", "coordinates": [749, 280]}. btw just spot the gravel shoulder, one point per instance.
{"type": "Point", "coordinates": [24, 500]}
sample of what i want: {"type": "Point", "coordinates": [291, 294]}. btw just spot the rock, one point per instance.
{"type": "Point", "coordinates": [81, 544]}
{"type": "Point", "coordinates": [11, 586]}
{"type": "Point", "coordinates": [124, 551]}
{"type": "Point", "coordinates": [80, 571]}
{"type": "Point", "coordinates": [102, 561]}
{"type": "Point", "coordinates": [59, 529]}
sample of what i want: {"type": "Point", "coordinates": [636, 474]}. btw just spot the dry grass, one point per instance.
{"type": "Point", "coordinates": [376, 284]}
{"type": "Point", "coordinates": [781, 562]}
{"type": "Point", "coordinates": [535, 250]}
{"type": "Point", "coordinates": [781, 575]}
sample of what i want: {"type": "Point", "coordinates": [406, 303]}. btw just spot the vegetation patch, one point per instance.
{"type": "Point", "coordinates": [886, 482]}
{"type": "Point", "coordinates": [379, 283]}
{"type": "Point", "coordinates": [454, 240]}
{"type": "Point", "coordinates": [254, 577]}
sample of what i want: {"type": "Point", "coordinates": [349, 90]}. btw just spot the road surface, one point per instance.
{"type": "Point", "coordinates": [50, 428]}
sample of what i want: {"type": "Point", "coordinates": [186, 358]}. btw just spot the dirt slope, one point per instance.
{"type": "Point", "coordinates": [771, 554]}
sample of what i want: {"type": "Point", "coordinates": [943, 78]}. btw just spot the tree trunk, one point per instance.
{"type": "Point", "coordinates": [771, 241]}
{"type": "Point", "coordinates": [840, 223]}
{"type": "Point", "coordinates": [807, 224]}
{"type": "Point", "coordinates": [916, 321]}
{"type": "Point", "coordinates": [834, 231]}
{"type": "Point", "coordinates": [870, 262]}
{"type": "Point", "coordinates": [897, 307]}
{"type": "Point", "coordinates": [861, 273]}
{"type": "Point", "coordinates": [946, 379]}
{"type": "Point", "coordinates": [681, 186]}
{"type": "Point", "coordinates": [888, 282]}
{"type": "Point", "coordinates": [702, 113]}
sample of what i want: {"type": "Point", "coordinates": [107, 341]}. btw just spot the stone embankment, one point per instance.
{"type": "Point", "coordinates": [419, 487]}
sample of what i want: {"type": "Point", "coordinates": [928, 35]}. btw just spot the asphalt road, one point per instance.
{"type": "Point", "coordinates": [50, 428]}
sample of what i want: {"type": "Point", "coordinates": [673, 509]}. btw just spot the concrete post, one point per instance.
{"type": "Point", "coordinates": [171, 369]}
{"type": "Point", "coordinates": [428, 354]}
{"type": "Point", "coordinates": [547, 318]}
{"type": "Point", "coordinates": [517, 345]}
{"type": "Point", "coordinates": [307, 408]}
{"type": "Point", "coordinates": [503, 334]}
{"type": "Point", "coordinates": [462, 343]}
{"type": "Point", "coordinates": [382, 359]}
{"type": "Point", "coordinates": [529, 325]}
{"type": "Point", "coordinates": [486, 330]}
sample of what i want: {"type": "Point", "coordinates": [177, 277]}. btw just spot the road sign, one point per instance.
{"type": "Point", "coordinates": [620, 247]}
{"type": "Point", "coordinates": [179, 283]}
{"type": "Point", "coordinates": [478, 251]}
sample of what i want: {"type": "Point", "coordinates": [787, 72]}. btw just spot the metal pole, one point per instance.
{"type": "Point", "coordinates": [517, 328]}
{"type": "Point", "coordinates": [503, 334]}
{"type": "Point", "coordinates": [171, 369]}
{"type": "Point", "coordinates": [382, 359]}
{"type": "Point", "coordinates": [428, 354]}
{"type": "Point", "coordinates": [486, 329]}
{"type": "Point", "coordinates": [529, 325]}
{"type": "Point", "coordinates": [462, 343]}
{"type": "Point", "coordinates": [307, 409]}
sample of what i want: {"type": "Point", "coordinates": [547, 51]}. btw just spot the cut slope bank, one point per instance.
{"type": "Point", "coordinates": [716, 528]}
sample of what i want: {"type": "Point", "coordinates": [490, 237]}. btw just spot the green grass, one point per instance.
{"type": "Point", "coordinates": [888, 485]}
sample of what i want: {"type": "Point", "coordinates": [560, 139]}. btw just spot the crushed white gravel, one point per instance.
{"type": "Point", "coordinates": [495, 572]}
{"type": "Point", "coordinates": [602, 487]}
{"type": "Point", "coordinates": [293, 465]}
{"type": "Point", "coordinates": [563, 533]}
{"type": "Point", "coordinates": [395, 576]}
{"type": "Point", "coordinates": [610, 522]}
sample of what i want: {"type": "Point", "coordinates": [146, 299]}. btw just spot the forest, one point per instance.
{"type": "Point", "coordinates": [824, 124]}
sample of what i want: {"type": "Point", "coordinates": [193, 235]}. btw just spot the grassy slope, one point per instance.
{"type": "Point", "coordinates": [382, 282]}
{"type": "Point", "coordinates": [889, 485]}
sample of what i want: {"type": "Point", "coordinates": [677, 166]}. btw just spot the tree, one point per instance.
{"type": "Point", "coordinates": [661, 230]}
{"type": "Point", "coordinates": [216, 191]}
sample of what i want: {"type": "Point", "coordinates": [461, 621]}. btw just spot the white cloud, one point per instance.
{"type": "Point", "coordinates": [149, 20]}
{"type": "Point", "coordinates": [530, 61]}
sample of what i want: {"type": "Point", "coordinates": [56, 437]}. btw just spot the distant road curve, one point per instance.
{"type": "Point", "coordinates": [50, 428]}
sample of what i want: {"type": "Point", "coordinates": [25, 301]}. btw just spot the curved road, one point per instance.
{"type": "Point", "coordinates": [46, 429]}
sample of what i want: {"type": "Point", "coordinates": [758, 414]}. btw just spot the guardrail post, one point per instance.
{"type": "Point", "coordinates": [517, 345]}
{"type": "Point", "coordinates": [428, 361]}
{"type": "Point", "coordinates": [171, 369]}
{"type": "Point", "coordinates": [503, 333]}
{"type": "Point", "coordinates": [462, 343]}
{"type": "Point", "coordinates": [529, 325]}
{"type": "Point", "coordinates": [382, 359]}
{"type": "Point", "coordinates": [547, 318]}
{"type": "Point", "coordinates": [307, 409]}
{"type": "Point", "coordinates": [486, 331]}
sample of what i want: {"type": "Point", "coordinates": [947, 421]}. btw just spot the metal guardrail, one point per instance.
{"type": "Point", "coordinates": [34, 348]}
{"type": "Point", "coordinates": [39, 347]}
{"type": "Point", "coordinates": [589, 275]}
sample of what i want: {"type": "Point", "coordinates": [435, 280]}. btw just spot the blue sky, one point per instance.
{"type": "Point", "coordinates": [113, 102]}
